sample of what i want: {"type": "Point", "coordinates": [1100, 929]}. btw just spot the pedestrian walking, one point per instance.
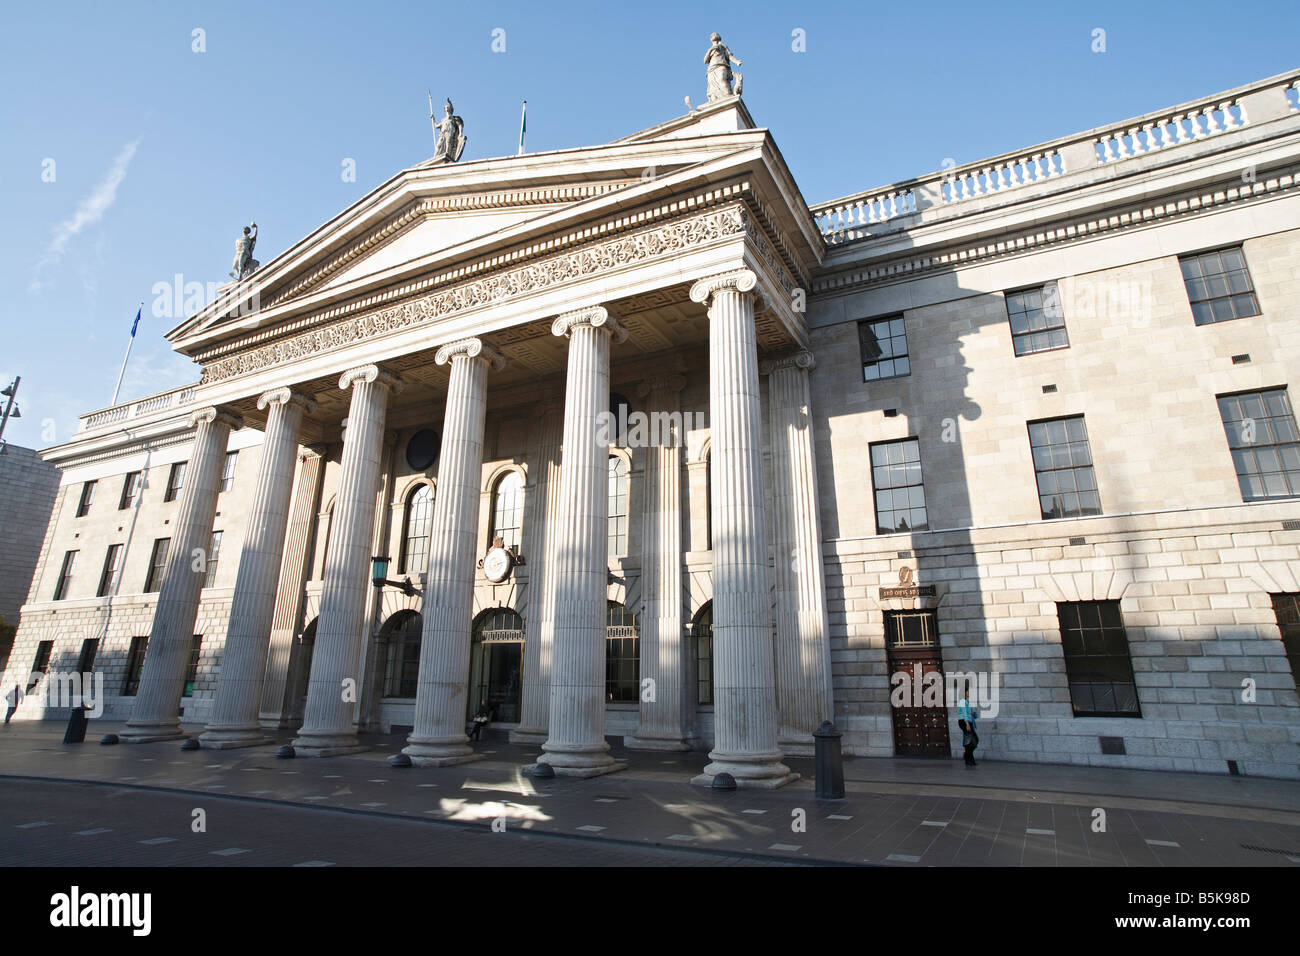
{"type": "Point", "coordinates": [966, 721]}
{"type": "Point", "coordinates": [14, 697]}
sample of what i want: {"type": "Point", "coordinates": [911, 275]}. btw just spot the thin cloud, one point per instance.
{"type": "Point", "coordinates": [89, 211]}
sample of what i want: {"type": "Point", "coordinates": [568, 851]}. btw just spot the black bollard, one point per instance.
{"type": "Point", "coordinates": [829, 763]}
{"type": "Point", "coordinates": [76, 732]}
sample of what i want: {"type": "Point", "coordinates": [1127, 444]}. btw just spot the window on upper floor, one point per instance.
{"type": "Point", "coordinates": [228, 470]}
{"type": "Point", "coordinates": [214, 555]}
{"type": "Point", "coordinates": [131, 486]}
{"type": "Point", "coordinates": [884, 348]}
{"type": "Point", "coordinates": [508, 510]}
{"type": "Point", "coordinates": [1037, 319]}
{"type": "Point", "coordinates": [1264, 443]}
{"type": "Point", "coordinates": [175, 481]}
{"type": "Point", "coordinates": [65, 576]}
{"type": "Point", "coordinates": [900, 491]}
{"type": "Point", "coordinates": [619, 490]}
{"type": "Point", "coordinates": [416, 522]}
{"type": "Point", "coordinates": [87, 498]}
{"type": "Point", "coordinates": [157, 562]}
{"type": "Point", "coordinates": [1067, 487]}
{"type": "Point", "coordinates": [112, 572]}
{"type": "Point", "coordinates": [1218, 285]}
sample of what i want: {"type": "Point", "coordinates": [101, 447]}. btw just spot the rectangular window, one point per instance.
{"type": "Point", "coordinates": [41, 664]}
{"type": "Point", "coordinates": [192, 671]}
{"type": "Point", "coordinates": [1287, 609]}
{"type": "Point", "coordinates": [89, 650]}
{"type": "Point", "coordinates": [65, 576]}
{"type": "Point", "coordinates": [1037, 320]}
{"type": "Point", "coordinates": [214, 552]}
{"type": "Point", "coordinates": [112, 572]}
{"type": "Point", "coordinates": [1264, 443]}
{"type": "Point", "coordinates": [900, 494]}
{"type": "Point", "coordinates": [134, 666]}
{"type": "Point", "coordinates": [175, 481]}
{"type": "Point", "coordinates": [130, 490]}
{"type": "Point", "coordinates": [1067, 487]}
{"type": "Point", "coordinates": [157, 561]}
{"type": "Point", "coordinates": [1218, 286]}
{"type": "Point", "coordinates": [87, 498]}
{"type": "Point", "coordinates": [884, 349]}
{"type": "Point", "coordinates": [1097, 662]}
{"type": "Point", "coordinates": [228, 470]}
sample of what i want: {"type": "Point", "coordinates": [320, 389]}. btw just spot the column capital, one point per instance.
{"type": "Point", "coordinates": [371, 373]}
{"type": "Point", "coordinates": [218, 416]}
{"type": "Point", "coordinates": [597, 316]}
{"type": "Point", "coordinates": [801, 359]}
{"type": "Point", "coordinates": [657, 383]}
{"type": "Point", "coordinates": [736, 280]}
{"type": "Point", "coordinates": [470, 348]}
{"type": "Point", "coordinates": [285, 396]}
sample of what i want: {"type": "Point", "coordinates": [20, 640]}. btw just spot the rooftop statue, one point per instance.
{"type": "Point", "coordinates": [244, 263]}
{"type": "Point", "coordinates": [451, 136]}
{"type": "Point", "coordinates": [719, 60]}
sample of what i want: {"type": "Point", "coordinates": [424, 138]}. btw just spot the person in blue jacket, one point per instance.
{"type": "Point", "coordinates": [966, 721]}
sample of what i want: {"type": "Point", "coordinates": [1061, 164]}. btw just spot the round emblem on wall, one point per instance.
{"type": "Point", "coordinates": [422, 450]}
{"type": "Point", "coordinates": [497, 564]}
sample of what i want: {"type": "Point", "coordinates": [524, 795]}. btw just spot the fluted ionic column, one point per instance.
{"type": "Point", "coordinates": [803, 660]}
{"type": "Point", "coordinates": [539, 623]}
{"type": "Point", "coordinates": [576, 743]}
{"type": "Point", "coordinates": [744, 686]}
{"type": "Point", "coordinates": [234, 721]}
{"type": "Point", "coordinates": [440, 706]}
{"type": "Point", "coordinates": [332, 691]}
{"type": "Point", "coordinates": [157, 704]}
{"type": "Point", "coordinates": [662, 721]}
{"type": "Point", "coordinates": [286, 620]}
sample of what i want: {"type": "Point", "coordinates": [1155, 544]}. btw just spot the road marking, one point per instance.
{"type": "Point", "coordinates": [903, 858]}
{"type": "Point", "coordinates": [838, 816]}
{"type": "Point", "coordinates": [157, 840]}
{"type": "Point", "coordinates": [428, 785]}
{"type": "Point", "coordinates": [229, 851]}
{"type": "Point", "coordinates": [333, 776]}
{"type": "Point", "coordinates": [606, 800]}
{"type": "Point", "coordinates": [288, 771]}
{"type": "Point", "coordinates": [753, 811]}
{"type": "Point", "coordinates": [377, 780]}
{"type": "Point", "coordinates": [38, 823]}
{"type": "Point", "coordinates": [94, 832]}
{"type": "Point", "coordinates": [591, 829]}
{"type": "Point", "coordinates": [1161, 843]}
{"type": "Point", "coordinates": [214, 786]}
{"type": "Point", "coordinates": [1037, 832]}
{"type": "Point", "coordinates": [783, 846]}
{"type": "Point", "coordinates": [681, 836]}
{"type": "Point", "coordinates": [374, 804]}
{"type": "Point", "coordinates": [251, 769]}
{"type": "Point", "coordinates": [314, 863]}
{"type": "Point", "coordinates": [315, 798]}
{"type": "Point", "coordinates": [936, 823]}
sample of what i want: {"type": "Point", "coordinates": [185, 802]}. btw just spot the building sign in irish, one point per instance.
{"type": "Point", "coordinates": [906, 589]}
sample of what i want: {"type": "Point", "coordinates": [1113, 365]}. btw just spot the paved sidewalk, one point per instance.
{"type": "Point", "coordinates": [897, 811]}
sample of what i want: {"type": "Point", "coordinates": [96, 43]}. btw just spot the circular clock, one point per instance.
{"type": "Point", "coordinates": [497, 564]}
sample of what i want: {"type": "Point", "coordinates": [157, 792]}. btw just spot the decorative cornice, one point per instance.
{"type": "Point", "coordinates": [285, 396]}
{"type": "Point", "coordinates": [215, 416]}
{"type": "Point", "coordinates": [368, 374]}
{"type": "Point", "coordinates": [802, 359]}
{"type": "Point", "coordinates": [666, 239]}
{"type": "Point", "coordinates": [470, 348]}
{"type": "Point", "coordinates": [1009, 244]}
{"type": "Point", "coordinates": [597, 316]}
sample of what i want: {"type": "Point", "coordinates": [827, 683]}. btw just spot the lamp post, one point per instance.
{"type": "Point", "coordinates": [379, 576]}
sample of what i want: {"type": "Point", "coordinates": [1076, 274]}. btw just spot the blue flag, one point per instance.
{"type": "Point", "coordinates": [136, 324]}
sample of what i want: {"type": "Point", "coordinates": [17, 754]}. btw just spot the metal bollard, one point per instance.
{"type": "Point", "coordinates": [829, 763]}
{"type": "Point", "coordinates": [76, 732]}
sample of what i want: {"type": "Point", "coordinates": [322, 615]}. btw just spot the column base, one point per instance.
{"type": "Point", "coordinates": [801, 745]}
{"type": "Point", "coordinates": [592, 771]}
{"type": "Point", "coordinates": [151, 732]}
{"type": "Point", "coordinates": [440, 751]}
{"type": "Point", "coordinates": [230, 738]}
{"type": "Point", "coordinates": [751, 771]}
{"type": "Point", "coordinates": [528, 735]}
{"type": "Point", "coordinates": [326, 745]}
{"type": "Point", "coordinates": [659, 744]}
{"type": "Point", "coordinates": [580, 760]}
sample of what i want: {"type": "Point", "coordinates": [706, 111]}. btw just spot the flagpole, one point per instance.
{"type": "Point", "coordinates": [523, 113]}
{"type": "Point", "coordinates": [129, 342]}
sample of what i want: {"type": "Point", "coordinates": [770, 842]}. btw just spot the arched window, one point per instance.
{"type": "Point", "coordinates": [618, 495]}
{"type": "Point", "coordinates": [622, 655]}
{"type": "Point", "coordinates": [402, 632]}
{"type": "Point", "coordinates": [508, 509]}
{"type": "Point", "coordinates": [496, 664]}
{"type": "Point", "coordinates": [415, 530]}
{"type": "Point", "coordinates": [703, 631]}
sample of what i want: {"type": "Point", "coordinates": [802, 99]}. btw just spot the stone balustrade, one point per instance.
{"type": "Point", "coordinates": [173, 398]}
{"type": "Point", "coordinates": [872, 211]}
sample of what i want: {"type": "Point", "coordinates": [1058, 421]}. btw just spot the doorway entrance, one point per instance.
{"type": "Point", "coordinates": [912, 644]}
{"type": "Point", "coordinates": [497, 665]}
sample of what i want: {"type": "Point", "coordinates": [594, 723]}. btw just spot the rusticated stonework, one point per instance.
{"type": "Point", "coordinates": [648, 244]}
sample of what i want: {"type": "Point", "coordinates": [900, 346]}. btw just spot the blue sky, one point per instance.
{"type": "Point", "coordinates": [161, 154]}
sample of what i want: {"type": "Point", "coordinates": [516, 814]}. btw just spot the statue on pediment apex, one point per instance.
{"type": "Point", "coordinates": [245, 264]}
{"type": "Point", "coordinates": [451, 135]}
{"type": "Point", "coordinates": [719, 60]}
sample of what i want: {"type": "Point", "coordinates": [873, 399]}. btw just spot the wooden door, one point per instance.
{"type": "Point", "coordinates": [912, 643]}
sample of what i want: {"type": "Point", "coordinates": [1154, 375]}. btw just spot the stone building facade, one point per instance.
{"type": "Point", "coordinates": [1028, 420]}
{"type": "Point", "coordinates": [28, 485]}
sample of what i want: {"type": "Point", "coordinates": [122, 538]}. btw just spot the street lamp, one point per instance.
{"type": "Point", "coordinates": [379, 576]}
